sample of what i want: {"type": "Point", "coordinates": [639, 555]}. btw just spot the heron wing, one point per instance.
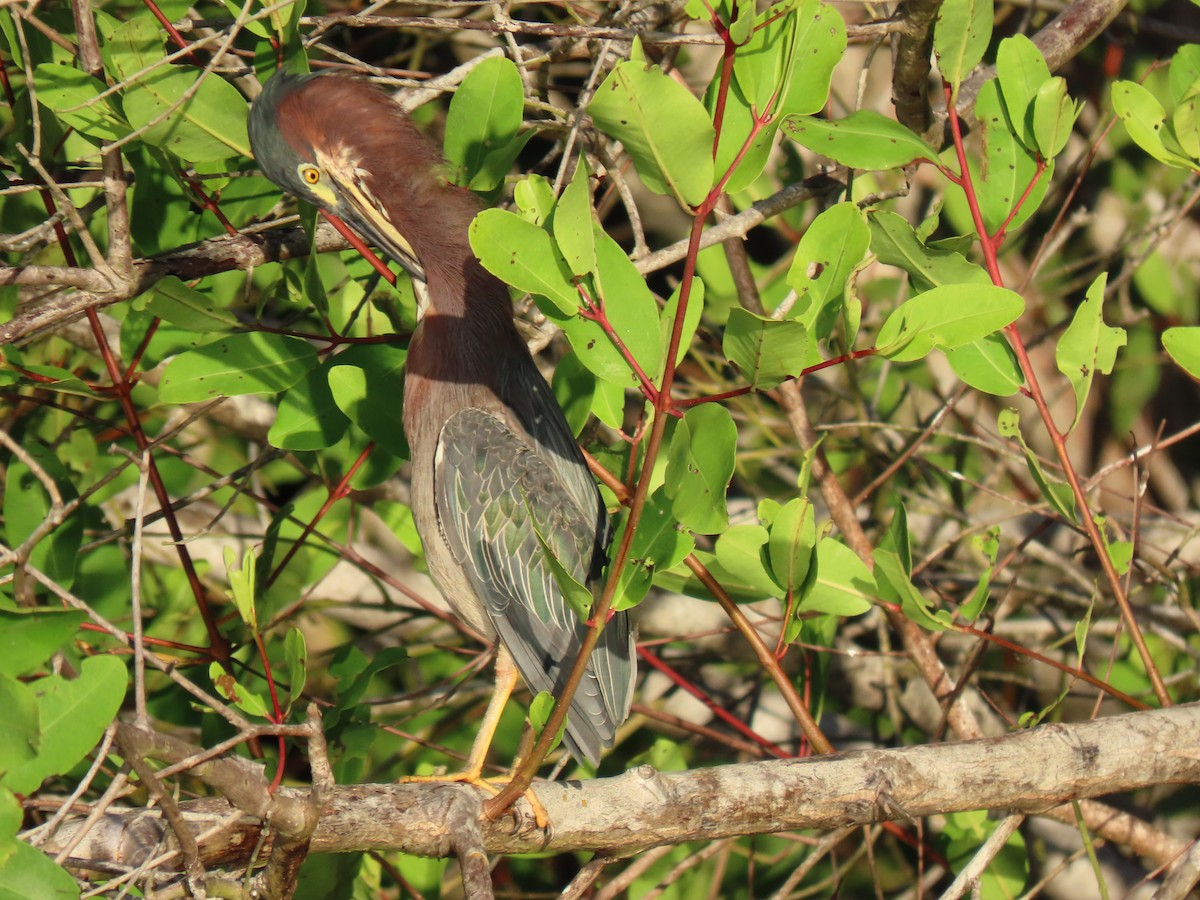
{"type": "Point", "coordinates": [502, 510]}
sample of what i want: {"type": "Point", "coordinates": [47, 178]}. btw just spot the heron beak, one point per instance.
{"type": "Point", "coordinates": [363, 212]}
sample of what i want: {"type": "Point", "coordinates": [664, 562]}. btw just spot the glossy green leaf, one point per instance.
{"type": "Point", "coordinates": [1054, 115]}
{"type": "Point", "coordinates": [793, 540]}
{"type": "Point", "coordinates": [483, 122]}
{"type": "Point", "coordinates": [28, 638]}
{"type": "Point", "coordinates": [250, 363]}
{"type": "Point", "coordinates": [988, 365]}
{"type": "Point", "coordinates": [889, 573]}
{"type": "Point", "coordinates": [828, 252]}
{"type": "Point", "coordinates": [961, 36]}
{"type": "Point", "coordinates": [699, 465]}
{"type": "Point", "coordinates": [765, 351]}
{"type": "Point", "coordinates": [989, 545]}
{"type": "Point", "coordinates": [736, 129]}
{"type": "Point", "coordinates": [1183, 346]}
{"type": "Point", "coordinates": [742, 552]}
{"type": "Point", "coordinates": [844, 585]}
{"type": "Point", "coordinates": [1185, 123]}
{"type": "Point", "coordinates": [630, 309]}
{"type": "Point", "coordinates": [31, 873]}
{"type": "Point", "coordinates": [663, 127]}
{"type": "Point", "coordinates": [250, 702]}
{"type": "Point", "coordinates": [574, 388]}
{"type": "Point", "coordinates": [947, 316]}
{"type": "Point", "coordinates": [173, 301]}
{"type": "Point", "coordinates": [367, 383]}
{"type": "Point", "coordinates": [26, 505]}
{"type": "Point", "coordinates": [574, 228]}
{"type": "Point", "coordinates": [540, 710]}
{"type": "Point", "coordinates": [1021, 70]}
{"type": "Point", "coordinates": [1058, 494]}
{"type": "Point", "coordinates": [786, 64]}
{"type": "Point", "coordinates": [1184, 73]}
{"type": "Point", "coordinates": [308, 417]}
{"type": "Point", "coordinates": [658, 545]}
{"type": "Point", "coordinates": [523, 255]}
{"type": "Point", "coordinates": [895, 243]}
{"type": "Point", "coordinates": [691, 320]}
{"type": "Point", "coordinates": [72, 716]}
{"type": "Point", "coordinates": [1088, 345]}
{"type": "Point", "coordinates": [818, 46]}
{"type": "Point", "coordinates": [864, 140]}
{"type": "Point", "coordinates": [74, 97]}
{"type": "Point", "coordinates": [1144, 118]}
{"type": "Point", "coordinates": [204, 120]}
{"type": "Point", "coordinates": [1007, 169]}
{"type": "Point", "coordinates": [535, 199]}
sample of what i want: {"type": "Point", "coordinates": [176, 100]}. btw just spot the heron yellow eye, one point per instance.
{"type": "Point", "coordinates": [310, 174]}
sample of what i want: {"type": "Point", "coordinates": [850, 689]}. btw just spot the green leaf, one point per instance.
{"type": "Point", "coordinates": [173, 301]}
{"type": "Point", "coordinates": [1021, 70]}
{"type": "Point", "coordinates": [1183, 346]}
{"type": "Point", "coordinates": [1184, 74]}
{"type": "Point", "coordinates": [523, 255]}
{"type": "Point", "coordinates": [895, 243]}
{"type": "Point", "coordinates": [230, 689]}
{"type": "Point", "coordinates": [742, 552]}
{"type": "Point", "coordinates": [243, 585]}
{"type": "Point", "coordinates": [828, 252]}
{"type": "Point", "coordinates": [988, 365]}
{"type": "Point", "coordinates": [817, 47]}
{"type": "Point", "coordinates": [1185, 122]}
{"type": "Point", "coordinates": [367, 384]}
{"type": "Point", "coordinates": [31, 873]}
{"type": "Point", "coordinates": [844, 585]}
{"type": "Point", "coordinates": [630, 309]}
{"type": "Point", "coordinates": [948, 316]}
{"type": "Point", "coordinates": [72, 715]}
{"type": "Point", "coordinates": [765, 351]}
{"type": "Point", "coordinates": [663, 127]}
{"type": "Point", "coordinates": [73, 95]}
{"type": "Point", "coordinates": [254, 362]}
{"type": "Point", "coordinates": [307, 417]}
{"type": "Point", "coordinates": [535, 199]}
{"type": "Point", "coordinates": [1054, 115]}
{"type": "Point", "coordinates": [989, 545]}
{"type": "Point", "coordinates": [1143, 117]}
{"type": "Point", "coordinates": [483, 122]}
{"type": "Point", "coordinates": [699, 465]}
{"type": "Point", "coordinates": [1059, 495]}
{"type": "Point", "coordinates": [28, 638]}
{"type": "Point", "coordinates": [21, 740]}
{"type": "Point", "coordinates": [658, 545]}
{"type": "Point", "coordinates": [295, 652]}
{"type": "Point", "coordinates": [864, 140]}
{"type": "Point", "coordinates": [26, 505]}
{"type": "Point", "coordinates": [737, 125]}
{"type": "Point", "coordinates": [889, 573]}
{"type": "Point", "coordinates": [574, 230]}
{"type": "Point", "coordinates": [793, 540]}
{"type": "Point", "coordinates": [540, 710]}
{"type": "Point", "coordinates": [204, 120]}
{"type": "Point", "coordinates": [961, 37]}
{"type": "Point", "coordinates": [1008, 168]}
{"type": "Point", "coordinates": [1087, 345]}
{"type": "Point", "coordinates": [691, 320]}
{"type": "Point", "coordinates": [786, 64]}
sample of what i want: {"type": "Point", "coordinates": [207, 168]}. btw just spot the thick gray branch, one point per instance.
{"type": "Point", "coordinates": [644, 808]}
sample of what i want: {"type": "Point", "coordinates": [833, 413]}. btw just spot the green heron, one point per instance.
{"type": "Point", "coordinates": [498, 481]}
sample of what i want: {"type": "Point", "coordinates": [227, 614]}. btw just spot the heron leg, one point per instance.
{"type": "Point", "coordinates": [472, 773]}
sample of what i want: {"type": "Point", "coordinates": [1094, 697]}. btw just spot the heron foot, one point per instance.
{"type": "Point", "coordinates": [491, 785]}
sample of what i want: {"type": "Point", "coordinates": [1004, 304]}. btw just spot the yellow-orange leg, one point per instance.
{"type": "Point", "coordinates": [472, 773]}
